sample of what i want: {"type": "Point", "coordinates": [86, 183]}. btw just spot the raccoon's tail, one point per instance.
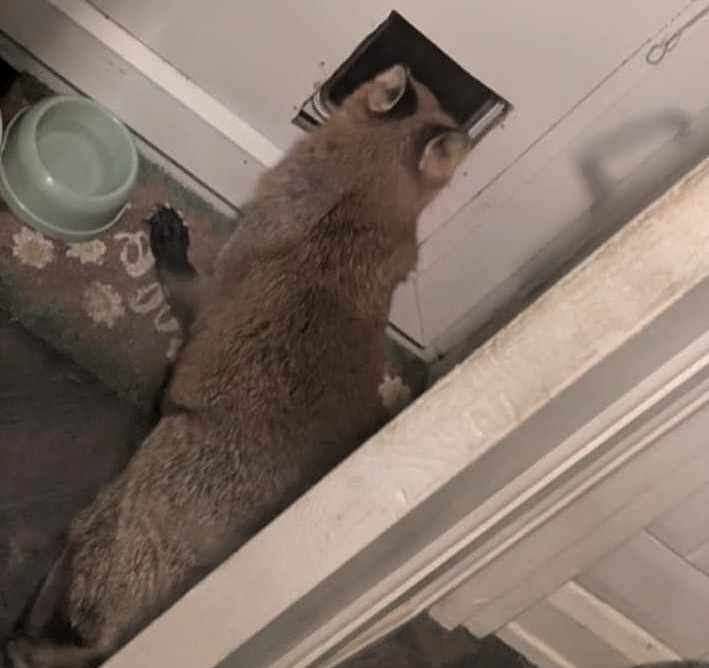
{"type": "Point", "coordinates": [42, 620]}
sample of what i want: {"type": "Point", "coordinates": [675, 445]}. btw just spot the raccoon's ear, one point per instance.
{"type": "Point", "coordinates": [443, 154]}
{"type": "Point", "coordinates": [387, 89]}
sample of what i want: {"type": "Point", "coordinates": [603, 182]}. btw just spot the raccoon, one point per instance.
{"type": "Point", "coordinates": [277, 381]}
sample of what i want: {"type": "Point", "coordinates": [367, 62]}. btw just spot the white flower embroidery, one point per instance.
{"type": "Point", "coordinates": [395, 393]}
{"type": "Point", "coordinates": [88, 252]}
{"type": "Point", "coordinates": [32, 248]}
{"type": "Point", "coordinates": [147, 298]}
{"type": "Point", "coordinates": [140, 260]}
{"type": "Point", "coordinates": [173, 348]}
{"type": "Point", "coordinates": [103, 304]}
{"type": "Point", "coordinates": [165, 322]}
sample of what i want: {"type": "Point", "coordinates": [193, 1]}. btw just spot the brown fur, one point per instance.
{"type": "Point", "coordinates": [278, 380]}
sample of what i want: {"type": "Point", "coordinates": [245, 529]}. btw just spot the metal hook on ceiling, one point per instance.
{"type": "Point", "coordinates": [659, 50]}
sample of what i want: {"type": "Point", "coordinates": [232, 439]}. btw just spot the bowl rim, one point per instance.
{"type": "Point", "coordinates": [29, 217]}
{"type": "Point", "coordinates": [37, 113]}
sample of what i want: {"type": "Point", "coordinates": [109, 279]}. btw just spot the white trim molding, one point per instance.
{"type": "Point", "coordinates": [621, 468]}
{"type": "Point", "coordinates": [575, 629]}
{"type": "Point", "coordinates": [607, 623]}
{"type": "Point", "coordinates": [533, 648]}
{"type": "Point", "coordinates": [619, 463]}
{"type": "Point", "coordinates": [170, 79]}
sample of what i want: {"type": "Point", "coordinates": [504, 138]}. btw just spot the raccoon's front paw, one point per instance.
{"type": "Point", "coordinates": [169, 241]}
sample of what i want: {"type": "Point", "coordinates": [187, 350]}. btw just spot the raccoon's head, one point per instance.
{"type": "Point", "coordinates": [402, 134]}
{"type": "Point", "coordinates": [386, 151]}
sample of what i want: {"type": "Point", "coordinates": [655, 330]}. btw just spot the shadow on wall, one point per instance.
{"type": "Point", "coordinates": [660, 149]}
{"type": "Point", "coordinates": [628, 138]}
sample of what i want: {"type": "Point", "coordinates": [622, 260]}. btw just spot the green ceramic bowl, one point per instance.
{"type": "Point", "coordinates": [67, 167]}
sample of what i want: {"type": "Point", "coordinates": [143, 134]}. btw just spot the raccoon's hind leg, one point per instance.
{"type": "Point", "coordinates": [169, 242]}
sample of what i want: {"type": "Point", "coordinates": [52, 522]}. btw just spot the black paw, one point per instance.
{"type": "Point", "coordinates": [169, 241]}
